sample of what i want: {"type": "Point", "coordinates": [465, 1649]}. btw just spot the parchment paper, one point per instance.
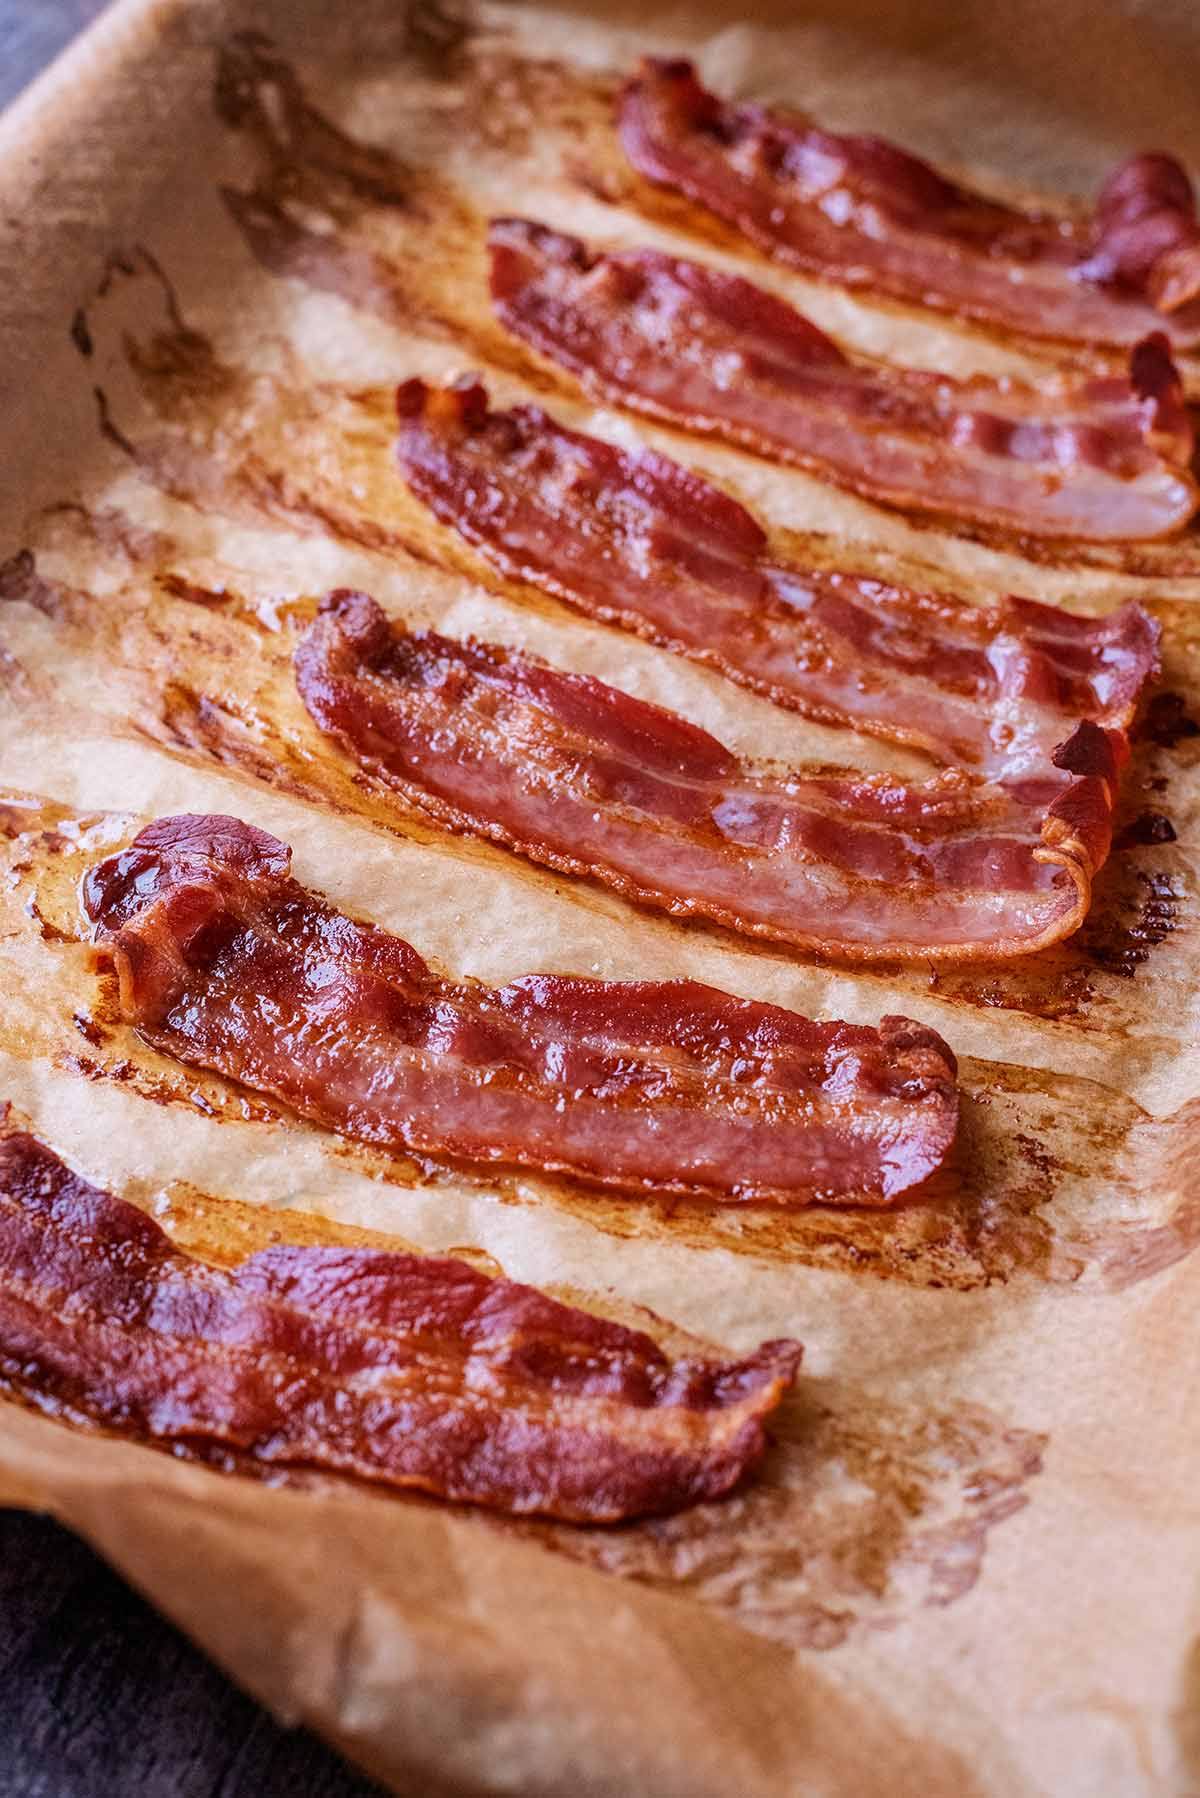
{"type": "Point", "coordinates": [967, 1565]}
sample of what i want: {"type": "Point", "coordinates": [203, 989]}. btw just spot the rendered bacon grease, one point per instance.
{"type": "Point", "coordinates": [581, 777]}
{"type": "Point", "coordinates": [225, 962]}
{"type": "Point", "coordinates": [862, 212]}
{"type": "Point", "coordinates": [1102, 459]}
{"type": "Point", "coordinates": [416, 1371]}
{"type": "Point", "coordinates": [639, 541]}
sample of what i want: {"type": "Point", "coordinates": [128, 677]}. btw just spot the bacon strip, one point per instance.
{"type": "Point", "coordinates": [1102, 459]}
{"type": "Point", "coordinates": [417, 1371]}
{"type": "Point", "coordinates": [639, 541]}
{"type": "Point", "coordinates": [582, 777]}
{"type": "Point", "coordinates": [225, 962]}
{"type": "Point", "coordinates": [861, 212]}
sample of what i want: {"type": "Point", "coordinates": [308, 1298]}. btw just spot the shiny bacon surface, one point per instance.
{"type": "Point", "coordinates": [862, 212]}
{"type": "Point", "coordinates": [412, 1370]}
{"type": "Point", "coordinates": [1102, 459]}
{"type": "Point", "coordinates": [581, 776]}
{"type": "Point", "coordinates": [639, 541]}
{"type": "Point", "coordinates": [225, 962]}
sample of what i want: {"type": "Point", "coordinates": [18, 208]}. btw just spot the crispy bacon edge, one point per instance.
{"type": "Point", "coordinates": [409, 1370]}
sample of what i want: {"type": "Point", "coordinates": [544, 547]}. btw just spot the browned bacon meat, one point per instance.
{"type": "Point", "coordinates": [1103, 459]}
{"type": "Point", "coordinates": [412, 1370]}
{"type": "Point", "coordinates": [861, 212]}
{"type": "Point", "coordinates": [580, 776]}
{"type": "Point", "coordinates": [639, 541]}
{"type": "Point", "coordinates": [225, 962]}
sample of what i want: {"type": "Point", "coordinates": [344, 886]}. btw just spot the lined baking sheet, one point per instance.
{"type": "Point", "coordinates": [243, 231]}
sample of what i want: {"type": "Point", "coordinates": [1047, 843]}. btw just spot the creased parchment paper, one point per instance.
{"type": "Point", "coordinates": [967, 1564]}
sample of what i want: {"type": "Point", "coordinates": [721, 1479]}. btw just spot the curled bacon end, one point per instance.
{"type": "Point", "coordinates": [415, 1371]}
{"type": "Point", "coordinates": [863, 212]}
{"type": "Point", "coordinates": [1102, 459]}
{"type": "Point", "coordinates": [1077, 831]}
{"type": "Point", "coordinates": [671, 1087]}
{"type": "Point", "coordinates": [1147, 235]}
{"type": "Point", "coordinates": [1156, 382]}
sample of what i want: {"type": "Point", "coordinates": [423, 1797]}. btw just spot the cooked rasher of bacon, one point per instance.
{"type": "Point", "coordinates": [1102, 459]}
{"type": "Point", "coordinates": [225, 962]}
{"type": "Point", "coordinates": [416, 1371]}
{"type": "Point", "coordinates": [639, 541]}
{"type": "Point", "coordinates": [861, 212]}
{"type": "Point", "coordinates": [582, 777]}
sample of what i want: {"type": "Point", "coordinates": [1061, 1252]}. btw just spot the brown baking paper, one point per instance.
{"type": "Point", "coordinates": [966, 1564]}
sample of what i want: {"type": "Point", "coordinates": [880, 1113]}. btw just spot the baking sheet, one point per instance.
{"type": "Point", "coordinates": [229, 248]}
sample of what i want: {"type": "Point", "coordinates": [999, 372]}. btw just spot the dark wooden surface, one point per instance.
{"type": "Point", "coordinates": [99, 1696]}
